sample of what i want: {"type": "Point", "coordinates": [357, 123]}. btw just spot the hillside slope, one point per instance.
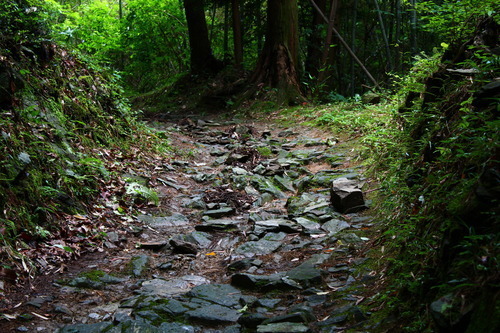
{"type": "Point", "coordinates": [63, 122]}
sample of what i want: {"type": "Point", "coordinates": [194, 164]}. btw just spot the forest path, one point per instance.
{"type": "Point", "coordinates": [244, 239]}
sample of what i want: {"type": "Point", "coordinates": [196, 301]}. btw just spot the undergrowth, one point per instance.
{"type": "Point", "coordinates": [433, 147]}
{"type": "Point", "coordinates": [438, 168]}
{"type": "Point", "coordinates": [64, 127]}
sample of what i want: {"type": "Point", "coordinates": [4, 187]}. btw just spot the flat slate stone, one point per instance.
{"type": "Point", "coordinates": [175, 328]}
{"type": "Point", "coordinates": [295, 317]}
{"type": "Point", "coordinates": [266, 185]}
{"type": "Point", "coordinates": [175, 220]}
{"type": "Point", "coordinates": [305, 154]}
{"type": "Point", "coordinates": [217, 225]}
{"type": "Point", "coordinates": [139, 264]}
{"type": "Point", "coordinates": [317, 206]}
{"type": "Point", "coordinates": [251, 320]}
{"type": "Point", "coordinates": [284, 133]}
{"type": "Point", "coordinates": [290, 227]}
{"type": "Point", "coordinates": [268, 302]}
{"type": "Point", "coordinates": [213, 314]}
{"type": "Point", "coordinates": [264, 282]}
{"type": "Point", "coordinates": [216, 213]}
{"type": "Point", "coordinates": [306, 274]}
{"type": "Point", "coordinates": [289, 145]}
{"type": "Point", "coordinates": [286, 162]}
{"type": "Point", "coordinates": [222, 294]}
{"type": "Point", "coordinates": [203, 239]}
{"type": "Point", "coordinates": [239, 171]}
{"type": "Point", "coordinates": [351, 238]}
{"type": "Point", "coordinates": [262, 246]}
{"type": "Point", "coordinates": [226, 243]}
{"type": "Point", "coordinates": [85, 328]}
{"type": "Point", "coordinates": [240, 265]}
{"type": "Point", "coordinates": [181, 246]}
{"type": "Point", "coordinates": [39, 301]}
{"type": "Point", "coordinates": [285, 183]}
{"type": "Point", "coordinates": [138, 325]}
{"type": "Point", "coordinates": [195, 202]}
{"type": "Point", "coordinates": [275, 236]}
{"type": "Point", "coordinates": [171, 306]}
{"type": "Point", "coordinates": [307, 224]}
{"type": "Point", "coordinates": [334, 226]}
{"type": "Point", "coordinates": [165, 288]}
{"type": "Point", "coordinates": [261, 227]}
{"type": "Point", "coordinates": [297, 205]}
{"type": "Point", "coordinates": [275, 225]}
{"type": "Point", "coordinates": [314, 143]}
{"type": "Point", "coordinates": [283, 327]}
{"type": "Point", "coordinates": [151, 245]}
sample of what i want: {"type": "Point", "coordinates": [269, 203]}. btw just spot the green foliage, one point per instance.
{"type": "Point", "coordinates": [353, 118]}
{"type": "Point", "coordinates": [63, 109]}
{"type": "Point", "coordinates": [139, 192]}
{"type": "Point", "coordinates": [264, 151]}
{"type": "Point", "coordinates": [93, 29]}
{"type": "Point", "coordinates": [453, 20]}
{"type": "Point", "coordinates": [441, 148]}
{"type": "Point", "coordinates": [148, 43]}
{"type": "Point", "coordinates": [155, 43]}
{"type": "Point", "coordinates": [430, 152]}
{"type": "Point", "coordinates": [20, 21]}
{"type": "Point", "coordinates": [93, 275]}
{"type": "Point", "coordinates": [413, 81]}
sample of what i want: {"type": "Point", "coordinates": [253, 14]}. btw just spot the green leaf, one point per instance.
{"type": "Point", "coordinates": [65, 248]}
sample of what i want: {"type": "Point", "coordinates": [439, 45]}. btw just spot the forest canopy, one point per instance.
{"type": "Point", "coordinates": [342, 47]}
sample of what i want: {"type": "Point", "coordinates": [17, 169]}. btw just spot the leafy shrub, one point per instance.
{"type": "Point", "coordinates": [438, 196]}
{"type": "Point", "coordinates": [454, 20]}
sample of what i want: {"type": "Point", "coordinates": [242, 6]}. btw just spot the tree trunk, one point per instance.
{"type": "Point", "coordinates": [313, 61]}
{"type": "Point", "coordinates": [276, 67]}
{"type": "Point", "coordinates": [212, 22]}
{"type": "Point", "coordinates": [237, 36]}
{"type": "Point", "coordinates": [413, 33]}
{"type": "Point", "coordinates": [384, 35]}
{"type": "Point", "coordinates": [344, 43]}
{"type": "Point", "coordinates": [353, 45]}
{"type": "Point", "coordinates": [226, 32]}
{"type": "Point", "coordinates": [260, 35]}
{"type": "Point", "coordinates": [328, 56]}
{"type": "Point", "coordinates": [202, 59]}
{"type": "Point", "coordinates": [399, 60]}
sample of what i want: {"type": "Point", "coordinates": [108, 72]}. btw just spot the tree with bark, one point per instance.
{"type": "Point", "coordinates": [315, 41]}
{"type": "Point", "coordinates": [237, 34]}
{"type": "Point", "coordinates": [277, 64]}
{"type": "Point", "coordinates": [202, 58]}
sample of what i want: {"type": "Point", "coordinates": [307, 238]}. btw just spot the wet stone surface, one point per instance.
{"type": "Point", "coordinates": [242, 242]}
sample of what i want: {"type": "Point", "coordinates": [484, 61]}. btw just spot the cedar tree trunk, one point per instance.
{"type": "Point", "coordinates": [330, 53]}
{"type": "Point", "coordinates": [202, 59]}
{"type": "Point", "coordinates": [276, 67]}
{"type": "Point", "coordinates": [238, 38]}
{"type": "Point", "coordinates": [314, 49]}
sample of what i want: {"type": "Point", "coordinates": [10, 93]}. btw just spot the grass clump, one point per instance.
{"type": "Point", "coordinates": [93, 275]}
{"type": "Point", "coordinates": [265, 151]}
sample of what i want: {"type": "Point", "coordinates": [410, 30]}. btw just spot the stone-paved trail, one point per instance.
{"type": "Point", "coordinates": [246, 239]}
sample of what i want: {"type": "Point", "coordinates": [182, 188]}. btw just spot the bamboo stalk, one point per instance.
{"type": "Point", "coordinates": [384, 36]}
{"type": "Point", "coordinates": [343, 42]}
